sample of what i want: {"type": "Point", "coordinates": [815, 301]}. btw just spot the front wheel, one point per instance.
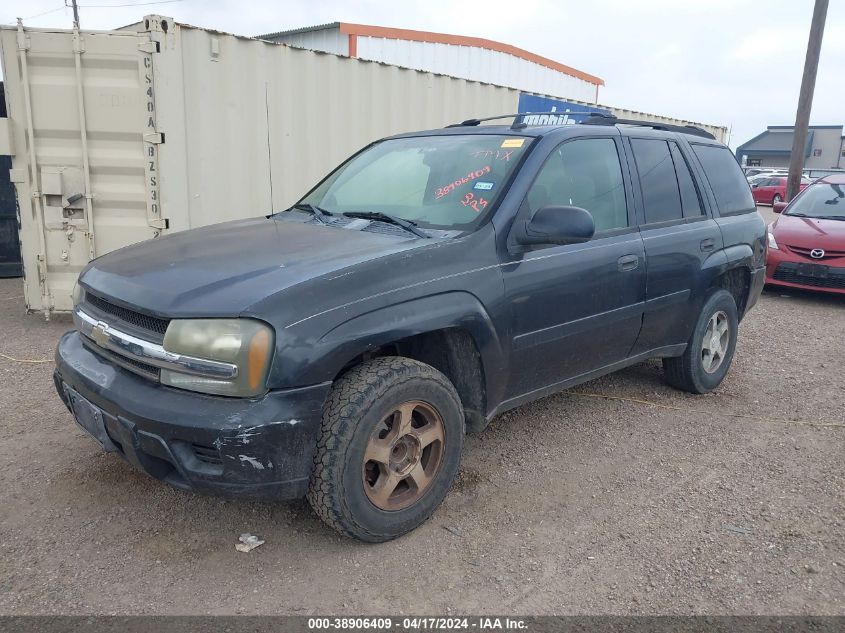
{"type": "Point", "coordinates": [389, 448]}
{"type": "Point", "coordinates": [776, 199]}
{"type": "Point", "coordinates": [710, 349]}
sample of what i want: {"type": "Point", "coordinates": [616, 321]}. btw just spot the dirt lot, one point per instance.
{"type": "Point", "coordinates": [574, 504]}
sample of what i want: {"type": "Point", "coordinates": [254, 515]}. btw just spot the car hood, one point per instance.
{"type": "Point", "coordinates": [810, 232]}
{"type": "Point", "coordinates": [221, 270]}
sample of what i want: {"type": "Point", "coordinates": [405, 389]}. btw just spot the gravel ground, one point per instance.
{"type": "Point", "coordinates": [573, 504]}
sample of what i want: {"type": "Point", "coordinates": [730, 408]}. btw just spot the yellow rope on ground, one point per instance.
{"type": "Point", "coordinates": [26, 360]}
{"type": "Point", "coordinates": [711, 413]}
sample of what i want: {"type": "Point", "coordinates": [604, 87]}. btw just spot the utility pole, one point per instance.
{"type": "Point", "coordinates": [805, 99]}
{"type": "Point", "coordinates": [76, 14]}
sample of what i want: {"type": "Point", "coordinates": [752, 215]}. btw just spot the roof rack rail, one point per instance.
{"type": "Point", "coordinates": [472, 122]}
{"type": "Point", "coordinates": [597, 118]}
{"type": "Point", "coordinates": [593, 118]}
{"type": "Point", "coordinates": [516, 116]}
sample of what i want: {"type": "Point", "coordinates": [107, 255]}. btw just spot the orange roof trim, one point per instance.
{"type": "Point", "coordinates": [366, 30]}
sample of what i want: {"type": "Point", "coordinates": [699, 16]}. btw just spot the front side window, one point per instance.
{"type": "Point", "coordinates": [725, 177]}
{"type": "Point", "coordinates": [583, 173]}
{"type": "Point", "coordinates": [445, 182]}
{"type": "Point", "coordinates": [821, 201]}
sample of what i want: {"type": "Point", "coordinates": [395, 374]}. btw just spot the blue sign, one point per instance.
{"type": "Point", "coordinates": [562, 112]}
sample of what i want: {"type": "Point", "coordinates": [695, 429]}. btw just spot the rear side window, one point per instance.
{"type": "Point", "coordinates": [725, 177]}
{"type": "Point", "coordinates": [661, 196]}
{"type": "Point", "coordinates": [690, 201]}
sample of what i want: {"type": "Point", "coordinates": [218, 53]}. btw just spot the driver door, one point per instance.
{"type": "Point", "coordinates": [577, 308]}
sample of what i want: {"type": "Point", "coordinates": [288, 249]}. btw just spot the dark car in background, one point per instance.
{"type": "Point", "coordinates": [340, 349]}
{"type": "Point", "coordinates": [807, 241]}
{"type": "Point", "coordinates": [773, 190]}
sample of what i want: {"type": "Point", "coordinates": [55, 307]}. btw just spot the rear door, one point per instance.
{"type": "Point", "coordinates": [678, 236]}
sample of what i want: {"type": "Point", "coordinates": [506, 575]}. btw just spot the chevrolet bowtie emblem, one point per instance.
{"type": "Point", "coordinates": [100, 334]}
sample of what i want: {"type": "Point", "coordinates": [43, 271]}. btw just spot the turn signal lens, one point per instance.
{"type": "Point", "coordinates": [259, 353]}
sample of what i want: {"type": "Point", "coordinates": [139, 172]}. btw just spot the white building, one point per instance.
{"type": "Point", "coordinates": [473, 58]}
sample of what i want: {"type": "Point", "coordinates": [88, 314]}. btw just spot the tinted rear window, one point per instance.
{"type": "Point", "coordinates": [661, 197]}
{"type": "Point", "coordinates": [724, 174]}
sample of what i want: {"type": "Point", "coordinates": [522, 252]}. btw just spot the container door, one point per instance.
{"type": "Point", "coordinates": [82, 121]}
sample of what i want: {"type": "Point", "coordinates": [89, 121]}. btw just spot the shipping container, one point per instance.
{"type": "Point", "coordinates": [121, 136]}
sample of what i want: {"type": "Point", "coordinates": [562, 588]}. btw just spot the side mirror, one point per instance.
{"type": "Point", "coordinates": [755, 185]}
{"type": "Point", "coordinates": [557, 225]}
{"type": "Point", "coordinates": [778, 207]}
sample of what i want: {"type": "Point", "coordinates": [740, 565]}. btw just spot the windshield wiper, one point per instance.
{"type": "Point", "coordinates": [408, 225]}
{"type": "Point", "coordinates": [318, 212]}
{"type": "Point", "coordinates": [830, 217]}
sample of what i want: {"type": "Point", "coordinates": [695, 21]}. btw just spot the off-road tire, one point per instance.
{"type": "Point", "coordinates": [356, 404]}
{"type": "Point", "coordinates": [686, 372]}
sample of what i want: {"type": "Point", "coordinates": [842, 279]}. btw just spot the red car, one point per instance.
{"type": "Point", "coordinates": [807, 242]}
{"type": "Point", "coordinates": [773, 190]}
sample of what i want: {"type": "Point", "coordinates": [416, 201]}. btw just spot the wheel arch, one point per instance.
{"type": "Point", "coordinates": [730, 268]}
{"type": "Point", "coordinates": [452, 332]}
{"type": "Point", "coordinates": [737, 281]}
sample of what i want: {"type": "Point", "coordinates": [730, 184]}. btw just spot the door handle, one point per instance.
{"type": "Point", "coordinates": [628, 262]}
{"type": "Point", "coordinates": [708, 245]}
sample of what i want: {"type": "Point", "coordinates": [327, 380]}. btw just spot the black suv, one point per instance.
{"type": "Point", "coordinates": [340, 349]}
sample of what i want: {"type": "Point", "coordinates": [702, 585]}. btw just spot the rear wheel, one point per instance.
{"type": "Point", "coordinates": [389, 448]}
{"type": "Point", "coordinates": [710, 349]}
{"type": "Point", "coordinates": [777, 198]}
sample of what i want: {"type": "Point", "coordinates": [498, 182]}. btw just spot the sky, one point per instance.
{"type": "Point", "coordinates": [736, 63]}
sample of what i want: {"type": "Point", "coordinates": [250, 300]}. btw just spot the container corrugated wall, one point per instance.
{"type": "Point", "coordinates": [266, 117]}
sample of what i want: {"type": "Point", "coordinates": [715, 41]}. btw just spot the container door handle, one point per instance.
{"type": "Point", "coordinates": [708, 245]}
{"type": "Point", "coordinates": [628, 262]}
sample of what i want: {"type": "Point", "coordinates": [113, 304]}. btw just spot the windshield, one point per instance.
{"type": "Point", "coordinates": [443, 182]}
{"type": "Point", "coordinates": [822, 200]}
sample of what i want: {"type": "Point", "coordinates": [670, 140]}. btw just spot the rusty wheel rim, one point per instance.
{"type": "Point", "coordinates": [403, 455]}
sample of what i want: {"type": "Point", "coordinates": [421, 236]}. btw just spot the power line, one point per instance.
{"type": "Point", "coordinates": [129, 4]}
{"type": "Point", "coordinates": [38, 15]}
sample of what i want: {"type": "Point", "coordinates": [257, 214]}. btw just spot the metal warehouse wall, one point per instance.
{"type": "Point", "coordinates": [477, 64]}
{"type": "Point", "coordinates": [327, 40]}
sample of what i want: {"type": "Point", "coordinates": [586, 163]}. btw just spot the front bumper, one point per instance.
{"type": "Point", "coordinates": [255, 448]}
{"type": "Point", "coordinates": [782, 270]}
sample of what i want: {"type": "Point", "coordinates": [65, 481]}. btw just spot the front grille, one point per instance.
{"type": "Point", "coordinates": [207, 454]}
{"type": "Point", "coordinates": [136, 319]}
{"type": "Point", "coordinates": [789, 274]}
{"type": "Point", "coordinates": [805, 252]}
{"type": "Point", "coordinates": [149, 371]}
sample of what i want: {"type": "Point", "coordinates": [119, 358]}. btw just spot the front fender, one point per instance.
{"type": "Point", "coordinates": [369, 331]}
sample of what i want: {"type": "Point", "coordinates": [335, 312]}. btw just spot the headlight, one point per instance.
{"type": "Point", "coordinates": [772, 243]}
{"type": "Point", "coordinates": [77, 294]}
{"type": "Point", "coordinates": [245, 343]}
